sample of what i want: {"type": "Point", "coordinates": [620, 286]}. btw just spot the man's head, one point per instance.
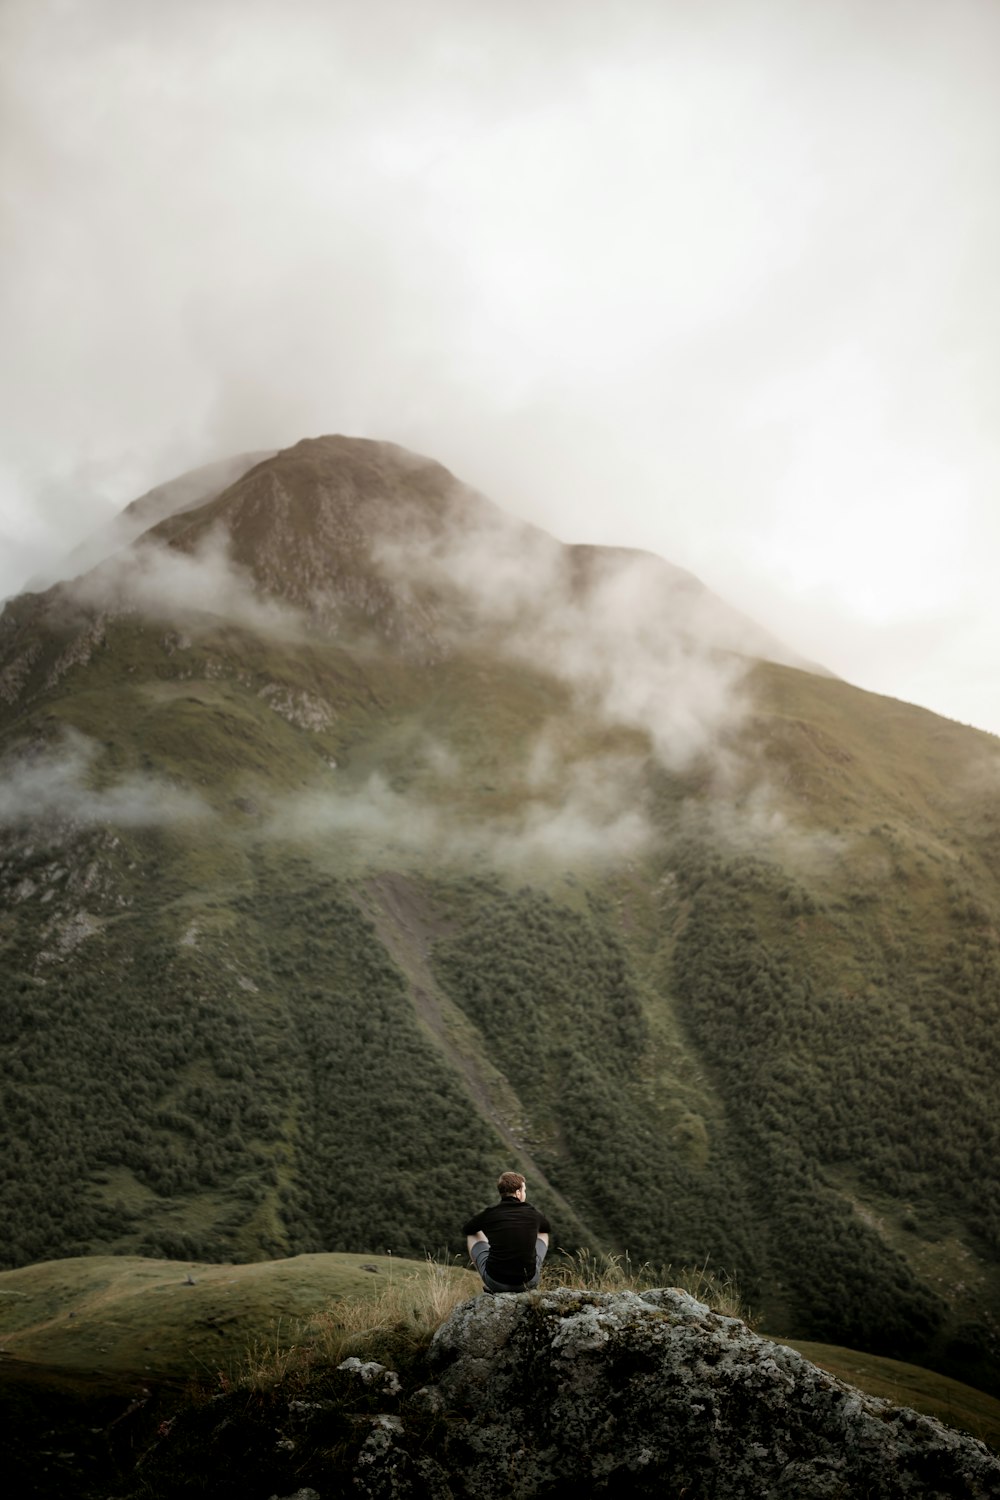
{"type": "Point", "coordinates": [512, 1185]}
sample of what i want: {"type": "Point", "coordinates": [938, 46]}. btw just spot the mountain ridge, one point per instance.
{"type": "Point", "coordinates": [301, 523]}
{"type": "Point", "coordinates": [181, 493]}
{"type": "Point", "coordinates": [304, 888]}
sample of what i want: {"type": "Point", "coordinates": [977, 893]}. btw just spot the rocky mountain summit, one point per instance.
{"type": "Point", "coordinates": [357, 539]}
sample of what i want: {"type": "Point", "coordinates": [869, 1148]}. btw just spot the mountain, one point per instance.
{"type": "Point", "coordinates": [358, 840]}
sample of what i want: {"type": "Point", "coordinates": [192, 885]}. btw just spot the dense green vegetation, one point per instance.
{"type": "Point", "coordinates": [389, 1153]}
{"type": "Point", "coordinates": [794, 1083]}
{"type": "Point", "coordinates": [823, 1081]}
{"type": "Point", "coordinates": [554, 996]}
{"type": "Point", "coordinates": [129, 1083]}
{"type": "Point", "coordinates": [307, 1104]}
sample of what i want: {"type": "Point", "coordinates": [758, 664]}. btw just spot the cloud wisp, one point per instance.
{"type": "Point", "coordinates": [587, 813]}
{"type": "Point", "coordinates": [171, 498]}
{"type": "Point", "coordinates": [56, 785]}
{"type": "Point", "coordinates": [640, 643]}
{"type": "Point", "coordinates": [167, 584]}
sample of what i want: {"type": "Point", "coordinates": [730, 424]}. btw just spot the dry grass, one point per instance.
{"type": "Point", "coordinates": [618, 1273]}
{"type": "Point", "coordinates": [402, 1317]}
{"type": "Point", "coordinates": [414, 1305]}
{"type": "Point", "coordinates": [269, 1359]}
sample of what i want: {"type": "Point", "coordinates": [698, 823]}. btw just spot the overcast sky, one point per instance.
{"type": "Point", "coordinates": [717, 279]}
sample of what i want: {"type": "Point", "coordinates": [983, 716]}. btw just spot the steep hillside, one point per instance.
{"type": "Point", "coordinates": [357, 840]}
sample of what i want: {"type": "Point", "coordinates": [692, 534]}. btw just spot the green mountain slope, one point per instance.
{"type": "Point", "coordinates": [357, 841]}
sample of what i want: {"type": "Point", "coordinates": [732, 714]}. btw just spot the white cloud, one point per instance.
{"type": "Point", "coordinates": [638, 642]}
{"type": "Point", "coordinates": [601, 262]}
{"type": "Point", "coordinates": [57, 784]}
{"type": "Point", "coordinates": [567, 813]}
{"type": "Point", "coordinates": [165, 583]}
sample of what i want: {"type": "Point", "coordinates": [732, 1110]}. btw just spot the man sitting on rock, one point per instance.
{"type": "Point", "coordinates": [508, 1241]}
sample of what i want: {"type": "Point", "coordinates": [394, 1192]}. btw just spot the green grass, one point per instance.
{"type": "Point", "coordinates": [115, 1314]}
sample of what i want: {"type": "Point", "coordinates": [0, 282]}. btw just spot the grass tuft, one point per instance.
{"type": "Point", "coordinates": [585, 1271]}
{"type": "Point", "coordinates": [394, 1326]}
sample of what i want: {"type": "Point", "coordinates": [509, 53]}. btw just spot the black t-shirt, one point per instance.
{"type": "Point", "coordinates": [512, 1227]}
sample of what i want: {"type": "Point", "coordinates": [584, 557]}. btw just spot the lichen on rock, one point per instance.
{"type": "Point", "coordinates": [653, 1393]}
{"type": "Point", "coordinates": [371, 1373]}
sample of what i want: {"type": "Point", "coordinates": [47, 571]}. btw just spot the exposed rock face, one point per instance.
{"type": "Point", "coordinates": [546, 1396]}
{"type": "Point", "coordinates": [571, 1392]}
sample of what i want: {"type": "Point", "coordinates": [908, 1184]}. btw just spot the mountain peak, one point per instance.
{"type": "Point", "coordinates": [309, 523]}
{"type": "Point", "coordinates": [366, 538]}
{"type": "Point", "coordinates": [368, 533]}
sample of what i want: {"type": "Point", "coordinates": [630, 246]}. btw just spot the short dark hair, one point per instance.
{"type": "Point", "coordinates": [510, 1184]}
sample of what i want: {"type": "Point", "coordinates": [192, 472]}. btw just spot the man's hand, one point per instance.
{"type": "Point", "coordinates": [475, 1239]}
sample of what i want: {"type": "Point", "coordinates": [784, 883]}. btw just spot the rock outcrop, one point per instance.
{"type": "Point", "coordinates": [651, 1393]}
{"type": "Point", "coordinates": [546, 1396]}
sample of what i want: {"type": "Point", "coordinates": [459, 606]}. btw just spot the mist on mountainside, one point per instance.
{"type": "Point", "coordinates": [639, 644]}
{"type": "Point", "coordinates": [163, 584]}
{"type": "Point", "coordinates": [319, 864]}
{"type": "Point", "coordinates": [180, 494]}
{"type": "Point", "coordinates": [594, 811]}
{"type": "Point", "coordinates": [53, 786]}
{"type": "Point", "coordinates": [629, 640]}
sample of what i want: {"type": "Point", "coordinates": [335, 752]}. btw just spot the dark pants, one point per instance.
{"type": "Point", "coordinates": [481, 1253]}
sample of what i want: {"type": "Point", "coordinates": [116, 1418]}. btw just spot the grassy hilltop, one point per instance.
{"type": "Point", "coordinates": [220, 1324]}
{"type": "Point", "coordinates": [329, 889]}
{"type": "Point", "coordinates": [210, 1328]}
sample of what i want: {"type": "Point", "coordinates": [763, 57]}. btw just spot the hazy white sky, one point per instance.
{"type": "Point", "coordinates": [715, 279]}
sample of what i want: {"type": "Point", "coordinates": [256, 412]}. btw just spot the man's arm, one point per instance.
{"type": "Point", "coordinates": [473, 1231]}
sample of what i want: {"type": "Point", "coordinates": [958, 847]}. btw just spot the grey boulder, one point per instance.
{"type": "Point", "coordinates": [651, 1393]}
